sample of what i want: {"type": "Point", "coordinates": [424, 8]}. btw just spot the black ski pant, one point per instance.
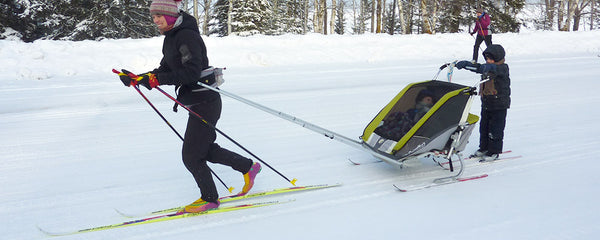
{"type": "Point", "coordinates": [478, 40]}
{"type": "Point", "coordinates": [199, 147]}
{"type": "Point", "coordinates": [491, 130]}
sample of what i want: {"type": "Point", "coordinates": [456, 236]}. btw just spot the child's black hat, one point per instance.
{"type": "Point", "coordinates": [495, 52]}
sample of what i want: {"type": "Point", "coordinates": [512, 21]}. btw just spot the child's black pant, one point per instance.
{"type": "Point", "coordinates": [491, 130]}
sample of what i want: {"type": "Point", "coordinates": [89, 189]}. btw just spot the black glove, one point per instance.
{"type": "Point", "coordinates": [127, 81]}
{"type": "Point", "coordinates": [487, 68]}
{"type": "Point", "coordinates": [462, 64]}
{"type": "Point", "coordinates": [148, 80]}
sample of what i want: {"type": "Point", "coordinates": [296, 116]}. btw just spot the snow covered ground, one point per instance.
{"type": "Point", "coordinates": [76, 144]}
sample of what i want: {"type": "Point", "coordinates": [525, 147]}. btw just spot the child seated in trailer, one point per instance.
{"type": "Point", "coordinates": [399, 123]}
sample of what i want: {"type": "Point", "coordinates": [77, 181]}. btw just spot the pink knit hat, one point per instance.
{"type": "Point", "coordinates": [165, 7]}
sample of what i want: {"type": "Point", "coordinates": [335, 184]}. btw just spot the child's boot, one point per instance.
{"type": "Point", "coordinates": [489, 157]}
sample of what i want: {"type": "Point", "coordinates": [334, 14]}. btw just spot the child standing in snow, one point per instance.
{"type": "Point", "coordinates": [184, 58]}
{"type": "Point", "coordinates": [495, 100]}
{"type": "Point", "coordinates": [483, 34]}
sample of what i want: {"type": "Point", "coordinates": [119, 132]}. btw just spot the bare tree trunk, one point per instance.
{"type": "Point", "coordinates": [393, 22]}
{"type": "Point", "coordinates": [361, 17]}
{"type": "Point", "coordinates": [354, 23]}
{"type": "Point", "coordinates": [550, 11]}
{"type": "Point", "coordinates": [196, 10]}
{"type": "Point", "coordinates": [434, 14]}
{"type": "Point", "coordinates": [593, 17]}
{"type": "Point", "coordinates": [561, 15]}
{"type": "Point", "coordinates": [373, 2]}
{"type": "Point", "coordinates": [325, 17]}
{"type": "Point", "coordinates": [229, 17]}
{"type": "Point", "coordinates": [578, 12]}
{"type": "Point", "coordinates": [318, 17]}
{"type": "Point", "coordinates": [305, 25]}
{"type": "Point", "coordinates": [207, 4]}
{"type": "Point", "coordinates": [333, 12]}
{"type": "Point", "coordinates": [576, 18]}
{"type": "Point", "coordinates": [378, 13]}
{"type": "Point", "coordinates": [425, 16]}
{"type": "Point", "coordinates": [403, 23]}
{"type": "Point", "coordinates": [384, 15]}
{"type": "Point", "coordinates": [570, 10]}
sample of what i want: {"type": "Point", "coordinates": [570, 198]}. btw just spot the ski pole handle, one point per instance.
{"type": "Point", "coordinates": [133, 76]}
{"type": "Point", "coordinates": [130, 75]}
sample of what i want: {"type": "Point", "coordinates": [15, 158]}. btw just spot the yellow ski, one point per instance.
{"type": "Point", "coordinates": [165, 217]}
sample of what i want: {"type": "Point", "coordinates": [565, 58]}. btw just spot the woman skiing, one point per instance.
{"type": "Point", "coordinates": [184, 58]}
{"type": "Point", "coordinates": [483, 34]}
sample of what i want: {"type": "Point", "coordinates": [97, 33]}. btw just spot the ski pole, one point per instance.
{"type": "Point", "coordinates": [230, 189]}
{"type": "Point", "coordinates": [157, 112]}
{"type": "Point", "coordinates": [481, 29]}
{"type": "Point", "coordinates": [293, 182]}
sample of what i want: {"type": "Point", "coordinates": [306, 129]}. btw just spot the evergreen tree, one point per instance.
{"type": "Point", "coordinates": [406, 12]}
{"type": "Point", "coordinates": [389, 23]}
{"type": "Point", "coordinates": [218, 25]}
{"type": "Point", "coordinates": [29, 18]}
{"type": "Point", "coordinates": [340, 22]}
{"type": "Point", "coordinates": [364, 15]}
{"type": "Point", "coordinates": [10, 23]}
{"type": "Point", "coordinates": [250, 17]}
{"type": "Point", "coordinates": [290, 17]}
{"type": "Point", "coordinates": [456, 13]}
{"type": "Point", "coordinates": [450, 16]}
{"type": "Point", "coordinates": [503, 21]}
{"type": "Point", "coordinates": [78, 19]}
{"type": "Point", "coordinates": [115, 19]}
{"type": "Point", "coordinates": [97, 19]}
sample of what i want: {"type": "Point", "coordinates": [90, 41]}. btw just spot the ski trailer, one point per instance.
{"type": "Point", "coordinates": [443, 131]}
{"type": "Point", "coordinates": [446, 127]}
